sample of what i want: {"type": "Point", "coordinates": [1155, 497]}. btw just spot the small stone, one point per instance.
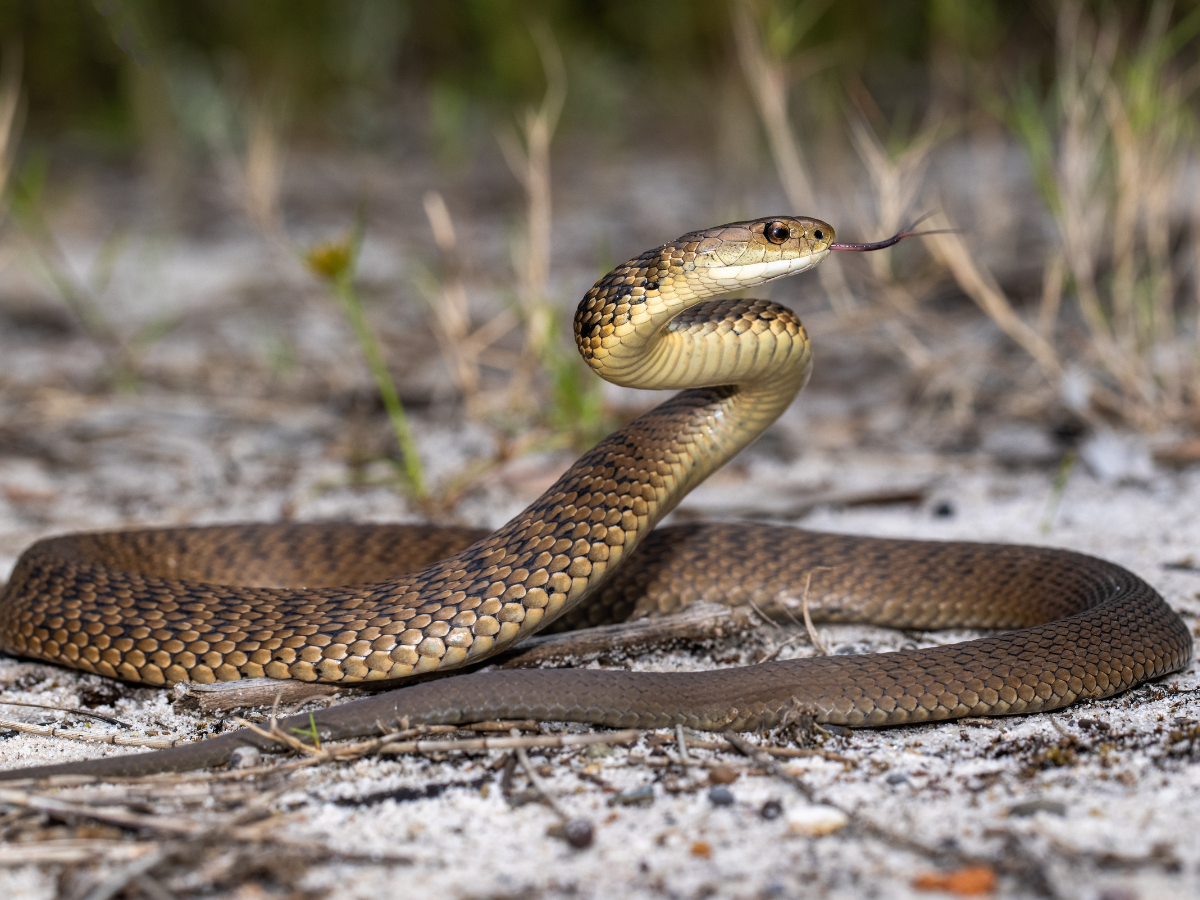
{"type": "Point", "coordinates": [720, 796]}
{"type": "Point", "coordinates": [598, 751]}
{"type": "Point", "coordinates": [639, 796]}
{"type": "Point", "coordinates": [722, 775]}
{"type": "Point", "coordinates": [1053, 807]}
{"type": "Point", "coordinates": [897, 778]}
{"type": "Point", "coordinates": [517, 799]}
{"type": "Point", "coordinates": [578, 833]}
{"type": "Point", "coordinates": [943, 510]}
{"type": "Point", "coordinates": [245, 758]}
{"type": "Point", "coordinates": [814, 821]}
{"type": "Point", "coordinates": [772, 809]}
{"type": "Point", "coordinates": [969, 881]}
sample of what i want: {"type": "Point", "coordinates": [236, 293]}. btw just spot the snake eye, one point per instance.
{"type": "Point", "coordinates": [819, 234]}
{"type": "Point", "coordinates": [777, 232]}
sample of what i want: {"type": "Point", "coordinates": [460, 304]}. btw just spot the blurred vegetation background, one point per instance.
{"type": "Point", "coordinates": [1058, 136]}
{"type": "Point", "coordinates": [97, 75]}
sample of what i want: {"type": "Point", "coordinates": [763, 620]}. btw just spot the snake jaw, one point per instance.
{"type": "Point", "coordinates": [731, 278]}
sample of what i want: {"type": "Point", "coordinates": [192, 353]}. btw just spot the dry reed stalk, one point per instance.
{"type": "Point", "coordinates": [977, 283]}
{"type": "Point", "coordinates": [769, 78]}
{"type": "Point", "coordinates": [529, 159]}
{"type": "Point", "coordinates": [1052, 293]}
{"type": "Point", "coordinates": [896, 181]}
{"type": "Point", "coordinates": [10, 105]}
{"type": "Point", "coordinates": [463, 347]}
{"type": "Point", "coordinates": [1120, 153]}
{"type": "Point", "coordinates": [262, 170]}
{"type": "Point", "coordinates": [25, 208]}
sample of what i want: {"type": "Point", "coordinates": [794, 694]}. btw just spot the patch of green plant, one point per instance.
{"type": "Point", "coordinates": [335, 262]}
{"type": "Point", "coordinates": [24, 198]}
{"type": "Point", "coordinates": [576, 392]}
{"type": "Point", "coordinates": [310, 732]}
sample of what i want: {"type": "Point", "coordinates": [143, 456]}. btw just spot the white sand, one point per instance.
{"type": "Point", "coordinates": [959, 783]}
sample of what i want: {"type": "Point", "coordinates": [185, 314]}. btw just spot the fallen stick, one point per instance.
{"type": "Point", "coordinates": [117, 740]}
{"type": "Point", "coordinates": [226, 695]}
{"type": "Point", "coordinates": [702, 623]}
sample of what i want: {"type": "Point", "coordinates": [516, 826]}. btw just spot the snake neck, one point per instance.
{"type": "Point", "coordinates": [652, 323]}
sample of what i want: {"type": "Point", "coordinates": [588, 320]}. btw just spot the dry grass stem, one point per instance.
{"type": "Point", "coordinates": [808, 622]}
{"type": "Point", "coordinates": [979, 284]}
{"type": "Point", "coordinates": [263, 169]}
{"type": "Point", "coordinates": [769, 79]}
{"type": "Point", "coordinates": [529, 159]}
{"type": "Point", "coordinates": [1119, 144]}
{"type": "Point", "coordinates": [25, 208]}
{"type": "Point", "coordinates": [87, 714]}
{"type": "Point", "coordinates": [10, 104]}
{"type": "Point", "coordinates": [463, 347]}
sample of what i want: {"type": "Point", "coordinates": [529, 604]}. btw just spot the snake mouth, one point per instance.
{"type": "Point", "coordinates": [894, 239]}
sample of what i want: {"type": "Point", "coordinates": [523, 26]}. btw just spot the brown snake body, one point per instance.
{"type": "Point", "coordinates": [352, 604]}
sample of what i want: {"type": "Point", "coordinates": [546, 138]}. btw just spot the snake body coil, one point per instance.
{"type": "Point", "coordinates": [350, 604]}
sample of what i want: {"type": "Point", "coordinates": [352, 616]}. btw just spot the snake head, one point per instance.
{"type": "Point", "coordinates": [744, 254]}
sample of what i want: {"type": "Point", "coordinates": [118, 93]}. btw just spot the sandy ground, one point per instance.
{"type": "Point", "coordinates": [1100, 801]}
{"type": "Point", "coordinates": [1118, 782]}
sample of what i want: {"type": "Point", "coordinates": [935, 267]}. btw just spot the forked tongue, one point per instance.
{"type": "Point", "coordinates": [895, 238]}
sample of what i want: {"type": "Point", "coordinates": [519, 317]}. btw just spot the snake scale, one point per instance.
{"type": "Point", "coordinates": [356, 604]}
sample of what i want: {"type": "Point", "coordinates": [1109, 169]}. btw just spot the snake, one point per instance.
{"type": "Point", "coordinates": [381, 605]}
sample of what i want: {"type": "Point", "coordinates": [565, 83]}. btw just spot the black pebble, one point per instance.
{"type": "Point", "coordinates": [772, 809]}
{"type": "Point", "coordinates": [943, 510]}
{"type": "Point", "coordinates": [578, 833]}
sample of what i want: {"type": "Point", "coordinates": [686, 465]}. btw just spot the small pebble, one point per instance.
{"type": "Point", "coordinates": [1053, 807]}
{"type": "Point", "coordinates": [968, 881]}
{"type": "Point", "coordinates": [579, 833]}
{"type": "Point", "coordinates": [944, 509]}
{"type": "Point", "coordinates": [598, 751]}
{"type": "Point", "coordinates": [639, 796]}
{"type": "Point", "coordinates": [814, 821]}
{"type": "Point", "coordinates": [897, 778]}
{"type": "Point", "coordinates": [772, 809]}
{"type": "Point", "coordinates": [722, 775]}
{"type": "Point", "coordinates": [524, 797]}
{"type": "Point", "coordinates": [720, 796]}
{"type": "Point", "coordinates": [245, 758]}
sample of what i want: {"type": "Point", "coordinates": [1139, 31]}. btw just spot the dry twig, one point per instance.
{"type": "Point", "coordinates": [116, 740]}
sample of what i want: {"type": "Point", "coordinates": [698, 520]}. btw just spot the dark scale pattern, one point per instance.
{"type": "Point", "coordinates": [345, 603]}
